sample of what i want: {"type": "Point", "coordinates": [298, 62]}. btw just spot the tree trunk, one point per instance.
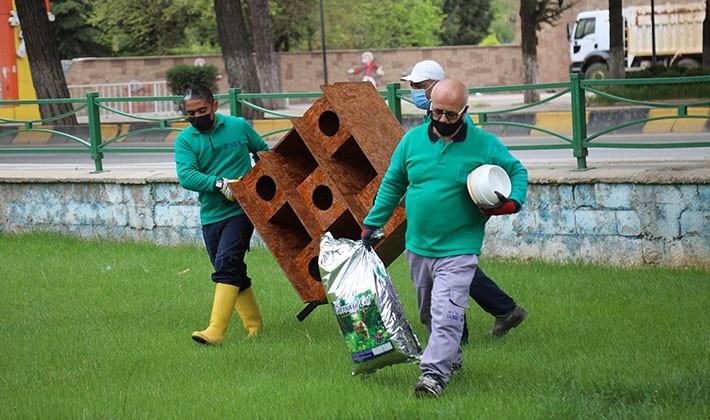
{"type": "Point", "coordinates": [237, 50]}
{"type": "Point", "coordinates": [268, 65]}
{"type": "Point", "coordinates": [43, 56]}
{"type": "Point", "coordinates": [617, 64]}
{"type": "Point", "coordinates": [528, 33]}
{"type": "Point", "coordinates": [706, 35]}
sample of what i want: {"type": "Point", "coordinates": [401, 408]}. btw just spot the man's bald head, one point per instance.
{"type": "Point", "coordinates": [449, 94]}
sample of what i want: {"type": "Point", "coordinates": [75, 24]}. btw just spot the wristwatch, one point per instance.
{"type": "Point", "coordinates": [219, 184]}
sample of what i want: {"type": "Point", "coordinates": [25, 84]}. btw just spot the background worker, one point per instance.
{"type": "Point", "coordinates": [213, 150]}
{"type": "Point", "coordinates": [484, 291]}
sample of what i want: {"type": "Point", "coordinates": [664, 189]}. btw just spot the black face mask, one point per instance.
{"type": "Point", "coordinates": [202, 123]}
{"type": "Point", "coordinates": [446, 129]}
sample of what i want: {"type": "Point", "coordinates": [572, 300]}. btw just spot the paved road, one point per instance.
{"type": "Point", "coordinates": [564, 157]}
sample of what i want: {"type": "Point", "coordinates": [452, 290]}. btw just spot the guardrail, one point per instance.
{"type": "Point", "coordinates": [98, 109]}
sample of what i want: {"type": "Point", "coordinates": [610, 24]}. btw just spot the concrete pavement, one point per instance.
{"type": "Point", "coordinates": [641, 171]}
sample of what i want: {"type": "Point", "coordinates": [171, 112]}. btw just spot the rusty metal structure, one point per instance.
{"type": "Point", "coordinates": [322, 176]}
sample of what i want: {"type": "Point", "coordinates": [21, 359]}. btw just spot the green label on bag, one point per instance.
{"type": "Point", "coordinates": [361, 324]}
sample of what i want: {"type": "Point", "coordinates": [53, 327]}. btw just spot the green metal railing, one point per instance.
{"type": "Point", "coordinates": [579, 142]}
{"type": "Point", "coordinates": [579, 89]}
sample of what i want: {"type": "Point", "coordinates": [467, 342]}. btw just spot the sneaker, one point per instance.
{"type": "Point", "coordinates": [428, 387]}
{"type": "Point", "coordinates": [505, 323]}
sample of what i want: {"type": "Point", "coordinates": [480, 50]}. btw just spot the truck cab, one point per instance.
{"type": "Point", "coordinates": [589, 43]}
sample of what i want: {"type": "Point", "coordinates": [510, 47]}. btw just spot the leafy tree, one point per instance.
{"type": "Point", "coordinates": [295, 24]}
{"type": "Point", "coordinates": [706, 35]}
{"type": "Point", "coordinates": [146, 28]}
{"type": "Point", "coordinates": [503, 25]}
{"type": "Point", "coordinates": [528, 29]}
{"type": "Point", "coordinates": [466, 22]}
{"type": "Point", "coordinates": [75, 37]}
{"type": "Point", "coordinates": [361, 24]}
{"type": "Point", "coordinates": [43, 56]}
{"type": "Point", "coordinates": [268, 65]}
{"type": "Point", "coordinates": [533, 13]}
{"type": "Point", "coordinates": [200, 35]}
{"type": "Point", "coordinates": [187, 26]}
{"type": "Point", "coordinates": [616, 41]}
{"type": "Point", "coordinates": [236, 49]}
{"type": "Point", "coordinates": [356, 24]}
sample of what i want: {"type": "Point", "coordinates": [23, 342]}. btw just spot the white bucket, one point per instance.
{"type": "Point", "coordinates": [483, 181]}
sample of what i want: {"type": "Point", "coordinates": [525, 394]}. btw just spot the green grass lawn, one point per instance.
{"type": "Point", "coordinates": [101, 330]}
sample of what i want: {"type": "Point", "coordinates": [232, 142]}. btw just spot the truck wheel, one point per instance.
{"type": "Point", "coordinates": [687, 63]}
{"type": "Point", "coordinates": [596, 71]}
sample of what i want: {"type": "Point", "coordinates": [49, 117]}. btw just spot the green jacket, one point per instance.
{"type": "Point", "coordinates": [225, 152]}
{"type": "Point", "coordinates": [442, 220]}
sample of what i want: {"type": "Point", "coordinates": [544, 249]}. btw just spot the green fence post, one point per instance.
{"type": "Point", "coordinates": [95, 130]}
{"type": "Point", "coordinates": [393, 100]}
{"type": "Point", "coordinates": [235, 108]}
{"type": "Point", "coordinates": [579, 120]}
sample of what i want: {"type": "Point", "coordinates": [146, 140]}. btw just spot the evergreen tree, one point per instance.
{"type": "Point", "coordinates": [75, 37]}
{"type": "Point", "coordinates": [466, 22]}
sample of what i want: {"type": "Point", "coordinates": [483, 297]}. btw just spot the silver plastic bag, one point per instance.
{"type": "Point", "coordinates": [366, 306]}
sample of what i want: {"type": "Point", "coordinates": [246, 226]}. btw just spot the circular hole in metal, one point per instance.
{"type": "Point", "coordinates": [322, 197]}
{"type": "Point", "coordinates": [329, 123]}
{"type": "Point", "coordinates": [313, 269]}
{"type": "Point", "coordinates": [266, 188]}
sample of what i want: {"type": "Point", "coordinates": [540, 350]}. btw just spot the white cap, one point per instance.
{"type": "Point", "coordinates": [425, 70]}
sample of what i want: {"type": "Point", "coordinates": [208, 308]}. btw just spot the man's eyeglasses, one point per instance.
{"type": "Point", "coordinates": [450, 115]}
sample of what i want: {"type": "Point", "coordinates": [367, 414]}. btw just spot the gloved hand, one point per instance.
{"type": "Point", "coordinates": [370, 236]}
{"type": "Point", "coordinates": [225, 190]}
{"type": "Point", "coordinates": [504, 206]}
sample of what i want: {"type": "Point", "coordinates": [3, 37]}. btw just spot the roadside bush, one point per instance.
{"type": "Point", "coordinates": [652, 92]}
{"type": "Point", "coordinates": [181, 77]}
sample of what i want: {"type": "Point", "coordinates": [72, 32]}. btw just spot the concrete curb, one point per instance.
{"type": "Point", "coordinates": [640, 171]}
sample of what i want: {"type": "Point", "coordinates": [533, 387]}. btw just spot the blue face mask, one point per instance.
{"type": "Point", "coordinates": [419, 98]}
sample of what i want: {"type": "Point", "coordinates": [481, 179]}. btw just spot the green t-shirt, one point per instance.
{"type": "Point", "coordinates": [225, 152]}
{"type": "Point", "coordinates": [442, 220]}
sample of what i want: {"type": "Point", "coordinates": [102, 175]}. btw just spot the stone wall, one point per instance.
{"type": "Point", "coordinates": [155, 210]}
{"type": "Point", "coordinates": [303, 71]}
{"type": "Point", "coordinates": [617, 224]}
{"type": "Point", "coordinates": [655, 216]}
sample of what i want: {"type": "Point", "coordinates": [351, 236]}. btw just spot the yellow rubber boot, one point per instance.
{"type": "Point", "coordinates": [224, 297]}
{"type": "Point", "coordinates": [248, 311]}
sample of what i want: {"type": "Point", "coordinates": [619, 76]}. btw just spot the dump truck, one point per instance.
{"type": "Point", "coordinates": [677, 30]}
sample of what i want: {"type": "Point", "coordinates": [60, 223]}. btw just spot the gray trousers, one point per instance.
{"type": "Point", "coordinates": [442, 286]}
